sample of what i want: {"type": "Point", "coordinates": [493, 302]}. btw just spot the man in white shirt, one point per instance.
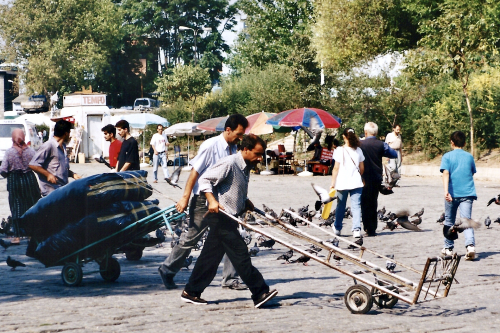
{"type": "Point", "coordinates": [159, 143]}
{"type": "Point", "coordinates": [211, 151]}
{"type": "Point", "coordinates": [394, 141]}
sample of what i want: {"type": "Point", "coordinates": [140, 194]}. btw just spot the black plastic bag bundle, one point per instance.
{"type": "Point", "coordinates": [71, 203]}
{"type": "Point", "coordinates": [93, 228]}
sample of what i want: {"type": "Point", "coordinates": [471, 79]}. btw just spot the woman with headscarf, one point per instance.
{"type": "Point", "coordinates": [22, 184]}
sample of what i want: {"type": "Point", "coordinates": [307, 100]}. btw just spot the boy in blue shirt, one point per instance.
{"type": "Point", "coordinates": [458, 168]}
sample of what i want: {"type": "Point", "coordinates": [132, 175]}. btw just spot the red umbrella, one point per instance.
{"type": "Point", "coordinates": [213, 124]}
{"type": "Point", "coordinates": [257, 123]}
{"type": "Point", "coordinates": [305, 117]}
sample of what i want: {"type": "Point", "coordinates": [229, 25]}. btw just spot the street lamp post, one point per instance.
{"type": "Point", "coordinates": [195, 32]}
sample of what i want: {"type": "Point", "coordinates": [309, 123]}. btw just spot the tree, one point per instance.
{"type": "Point", "coordinates": [465, 37]}
{"type": "Point", "coordinates": [186, 82]}
{"type": "Point", "coordinates": [61, 42]}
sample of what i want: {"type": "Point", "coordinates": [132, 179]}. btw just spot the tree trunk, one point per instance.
{"type": "Point", "coordinates": [471, 119]}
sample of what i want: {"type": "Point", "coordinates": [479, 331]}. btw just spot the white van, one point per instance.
{"type": "Point", "coordinates": [145, 104]}
{"type": "Point", "coordinates": [6, 128]}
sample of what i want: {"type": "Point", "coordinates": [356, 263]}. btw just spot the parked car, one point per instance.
{"type": "Point", "coordinates": [36, 103]}
{"type": "Point", "coordinates": [6, 128]}
{"type": "Point", "coordinates": [146, 104]}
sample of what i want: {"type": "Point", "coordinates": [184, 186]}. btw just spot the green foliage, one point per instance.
{"type": "Point", "coordinates": [62, 42]}
{"type": "Point", "coordinates": [186, 82]}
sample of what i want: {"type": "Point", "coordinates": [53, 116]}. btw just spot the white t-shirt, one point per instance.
{"type": "Point", "coordinates": [348, 177]}
{"type": "Point", "coordinates": [159, 141]}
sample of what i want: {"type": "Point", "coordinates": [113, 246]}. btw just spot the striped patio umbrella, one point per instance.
{"type": "Point", "coordinates": [307, 117]}
{"type": "Point", "coordinates": [213, 124]}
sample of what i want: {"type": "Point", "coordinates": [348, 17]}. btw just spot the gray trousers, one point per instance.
{"type": "Point", "coordinates": [395, 163]}
{"type": "Point", "coordinates": [198, 224]}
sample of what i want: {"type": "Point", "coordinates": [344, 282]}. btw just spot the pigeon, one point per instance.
{"type": "Point", "coordinates": [359, 242]}
{"type": "Point", "coordinates": [390, 225]}
{"type": "Point", "coordinates": [402, 220]}
{"type": "Point", "coordinates": [254, 250]}
{"type": "Point", "coordinates": [487, 222]}
{"type": "Point", "coordinates": [323, 194]}
{"type": "Point", "coordinates": [380, 213]}
{"type": "Point", "coordinates": [303, 259]}
{"type": "Point", "coordinates": [328, 222]}
{"type": "Point", "coordinates": [334, 241]}
{"type": "Point", "coordinates": [270, 212]}
{"type": "Point", "coordinates": [198, 245]}
{"type": "Point", "coordinates": [266, 242]}
{"type": "Point", "coordinates": [160, 235]}
{"type": "Point", "coordinates": [6, 226]}
{"type": "Point", "coordinates": [14, 263]}
{"type": "Point", "coordinates": [416, 221]}
{"type": "Point", "coordinates": [390, 179]}
{"type": "Point", "coordinates": [465, 223]}
{"type": "Point", "coordinates": [314, 249]}
{"type": "Point", "coordinates": [441, 219]}
{"type": "Point", "coordinates": [497, 220]}
{"type": "Point", "coordinates": [418, 214]}
{"type": "Point", "coordinates": [286, 256]}
{"type": "Point", "coordinates": [390, 265]}
{"type": "Point", "coordinates": [347, 213]}
{"type": "Point", "coordinates": [174, 179]}
{"type": "Point", "coordinates": [318, 204]}
{"type": "Point", "coordinates": [174, 242]}
{"type": "Point", "coordinates": [5, 244]}
{"type": "Point", "coordinates": [187, 262]}
{"type": "Point", "coordinates": [494, 200]}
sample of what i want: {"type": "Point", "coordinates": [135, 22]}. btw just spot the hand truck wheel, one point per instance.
{"type": "Point", "coordinates": [72, 274]}
{"type": "Point", "coordinates": [358, 299]}
{"type": "Point", "coordinates": [384, 300]}
{"type": "Point", "coordinates": [112, 271]}
{"type": "Point", "coordinates": [133, 255]}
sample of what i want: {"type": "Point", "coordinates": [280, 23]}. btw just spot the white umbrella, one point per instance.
{"type": "Point", "coordinates": [188, 129]}
{"type": "Point", "coordinates": [141, 120]}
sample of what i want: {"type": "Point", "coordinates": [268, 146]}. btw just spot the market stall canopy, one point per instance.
{"type": "Point", "coordinates": [307, 117]}
{"type": "Point", "coordinates": [188, 128]}
{"type": "Point", "coordinates": [213, 124]}
{"type": "Point", "coordinates": [257, 123]}
{"type": "Point", "coordinates": [140, 120]}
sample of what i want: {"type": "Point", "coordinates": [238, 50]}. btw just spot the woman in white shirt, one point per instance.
{"type": "Point", "coordinates": [347, 180]}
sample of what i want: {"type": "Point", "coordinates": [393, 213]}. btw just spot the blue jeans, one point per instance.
{"type": "Point", "coordinates": [157, 159]}
{"type": "Point", "coordinates": [355, 208]}
{"type": "Point", "coordinates": [450, 211]}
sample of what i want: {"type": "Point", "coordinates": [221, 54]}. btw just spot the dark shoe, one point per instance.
{"type": "Point", "coordinates": [236, 285]}
{"type": "Point", "coordinates": [370, 234]}
{"type": "Point", "coordinates": [265, 298]}
{"type": "Point", "coordinates": [185, 297]}
{"type": "Point", "coordinates": [168, 280]}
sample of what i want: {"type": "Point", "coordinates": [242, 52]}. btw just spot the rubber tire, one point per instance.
{"type": "Point", "coordinates": [358, 299]}
{"type": "Point", "coordinates": [112, 272]}
{"type": "Point", "coordinates": [133, 255]}
{"type": "Point", "coordinates": [72, 274]}
{"type": "Point", "coordinates": [384, 301]}
{"type": "Point", "coordinates": [170, 163]}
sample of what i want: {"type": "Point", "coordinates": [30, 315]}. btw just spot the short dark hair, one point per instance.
{"type": "Point", "coordinates": [234, 120]}
{"type": "Point", "coordinates": [62, 127]}
{"type": "Point", "coordinates": [159, 125]}
{"type": "Point", "coordinates": [109, 129]}
{"type": "Point", "coordinates": [251, 140]}
{"type": "Point", "coordinates": [123, 124]}
{"type": "Point", "coordinates": [458, 138]}
{"type": "Point", "coordinates": [396, 125]}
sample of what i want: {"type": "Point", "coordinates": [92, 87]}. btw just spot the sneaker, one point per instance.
{"type": "Point", "coordinates": [471, 253]}
{"type": "Point", "coordinates": [168, 280]}
{"type": "Point", "coordinates": [235, 285]}
{"type": "Point", "coordinates": [185, 297]}
{"type": "Point", "coordinates": [337, 232]}
{"type": "Point", "coordinates": [265, 298]}
{"type": "Point", "coordinates": [356, 234]}
{"type": "Point", "coordinates": [155, 181]}
{"type": "Point", "coordinates": [447, 251]}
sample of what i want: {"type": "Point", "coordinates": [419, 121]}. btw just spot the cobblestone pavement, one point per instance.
{"type": "Point", "coordinates": [34, 299]}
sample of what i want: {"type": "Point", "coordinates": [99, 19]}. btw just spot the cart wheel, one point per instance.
{"type": "Point", "coordinates": [170, 163]}
{"type": "Point", "coordinates": [384, 300]}
{"type": "Point", "coordinates": [72, 274]}
{"type": "Point", "coordinates": [112, 272]}
{"type": "Point", "coordinates": [358, 299]}
{"type": "Point", "coordinates": [133, 255]}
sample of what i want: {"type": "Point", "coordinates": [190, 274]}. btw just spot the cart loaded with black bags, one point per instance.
{"type": "Point", "coordinates": [93, 218]}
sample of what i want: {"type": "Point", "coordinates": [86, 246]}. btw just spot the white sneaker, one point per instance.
{"type": "Point", "coordinates": [447, 252]}
{"type": "Point", "coordinates": [471, 253]}
{"type": "Point", "coordinates": [337, 232]}
{"type": "Point", "coordinates": [356, 234]}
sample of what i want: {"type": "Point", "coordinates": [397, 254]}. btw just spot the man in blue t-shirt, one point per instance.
{"type": "Point", "coordinates": [458, 168]}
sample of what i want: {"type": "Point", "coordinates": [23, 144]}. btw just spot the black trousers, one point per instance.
{"type": "Point", "coordinates": [224, 238]}
{"type": "Point", "coordinates": [369, 199]}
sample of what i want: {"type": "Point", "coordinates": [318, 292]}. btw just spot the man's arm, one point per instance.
{"type": "Point", "coordinates": [50, 177]}
{"type": "Point", "coordinates": [446, 182]}
{"type": "Point", "coordinates": [73, 175]}
{"type": "Point", "coordinates": [125, 166]}
{"type": "Point", "coordinates": [183, 201]}
{"type": "Point", "coordinates": [389, 152]}
{"type": "Point", "coordinates": [213, 204]}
